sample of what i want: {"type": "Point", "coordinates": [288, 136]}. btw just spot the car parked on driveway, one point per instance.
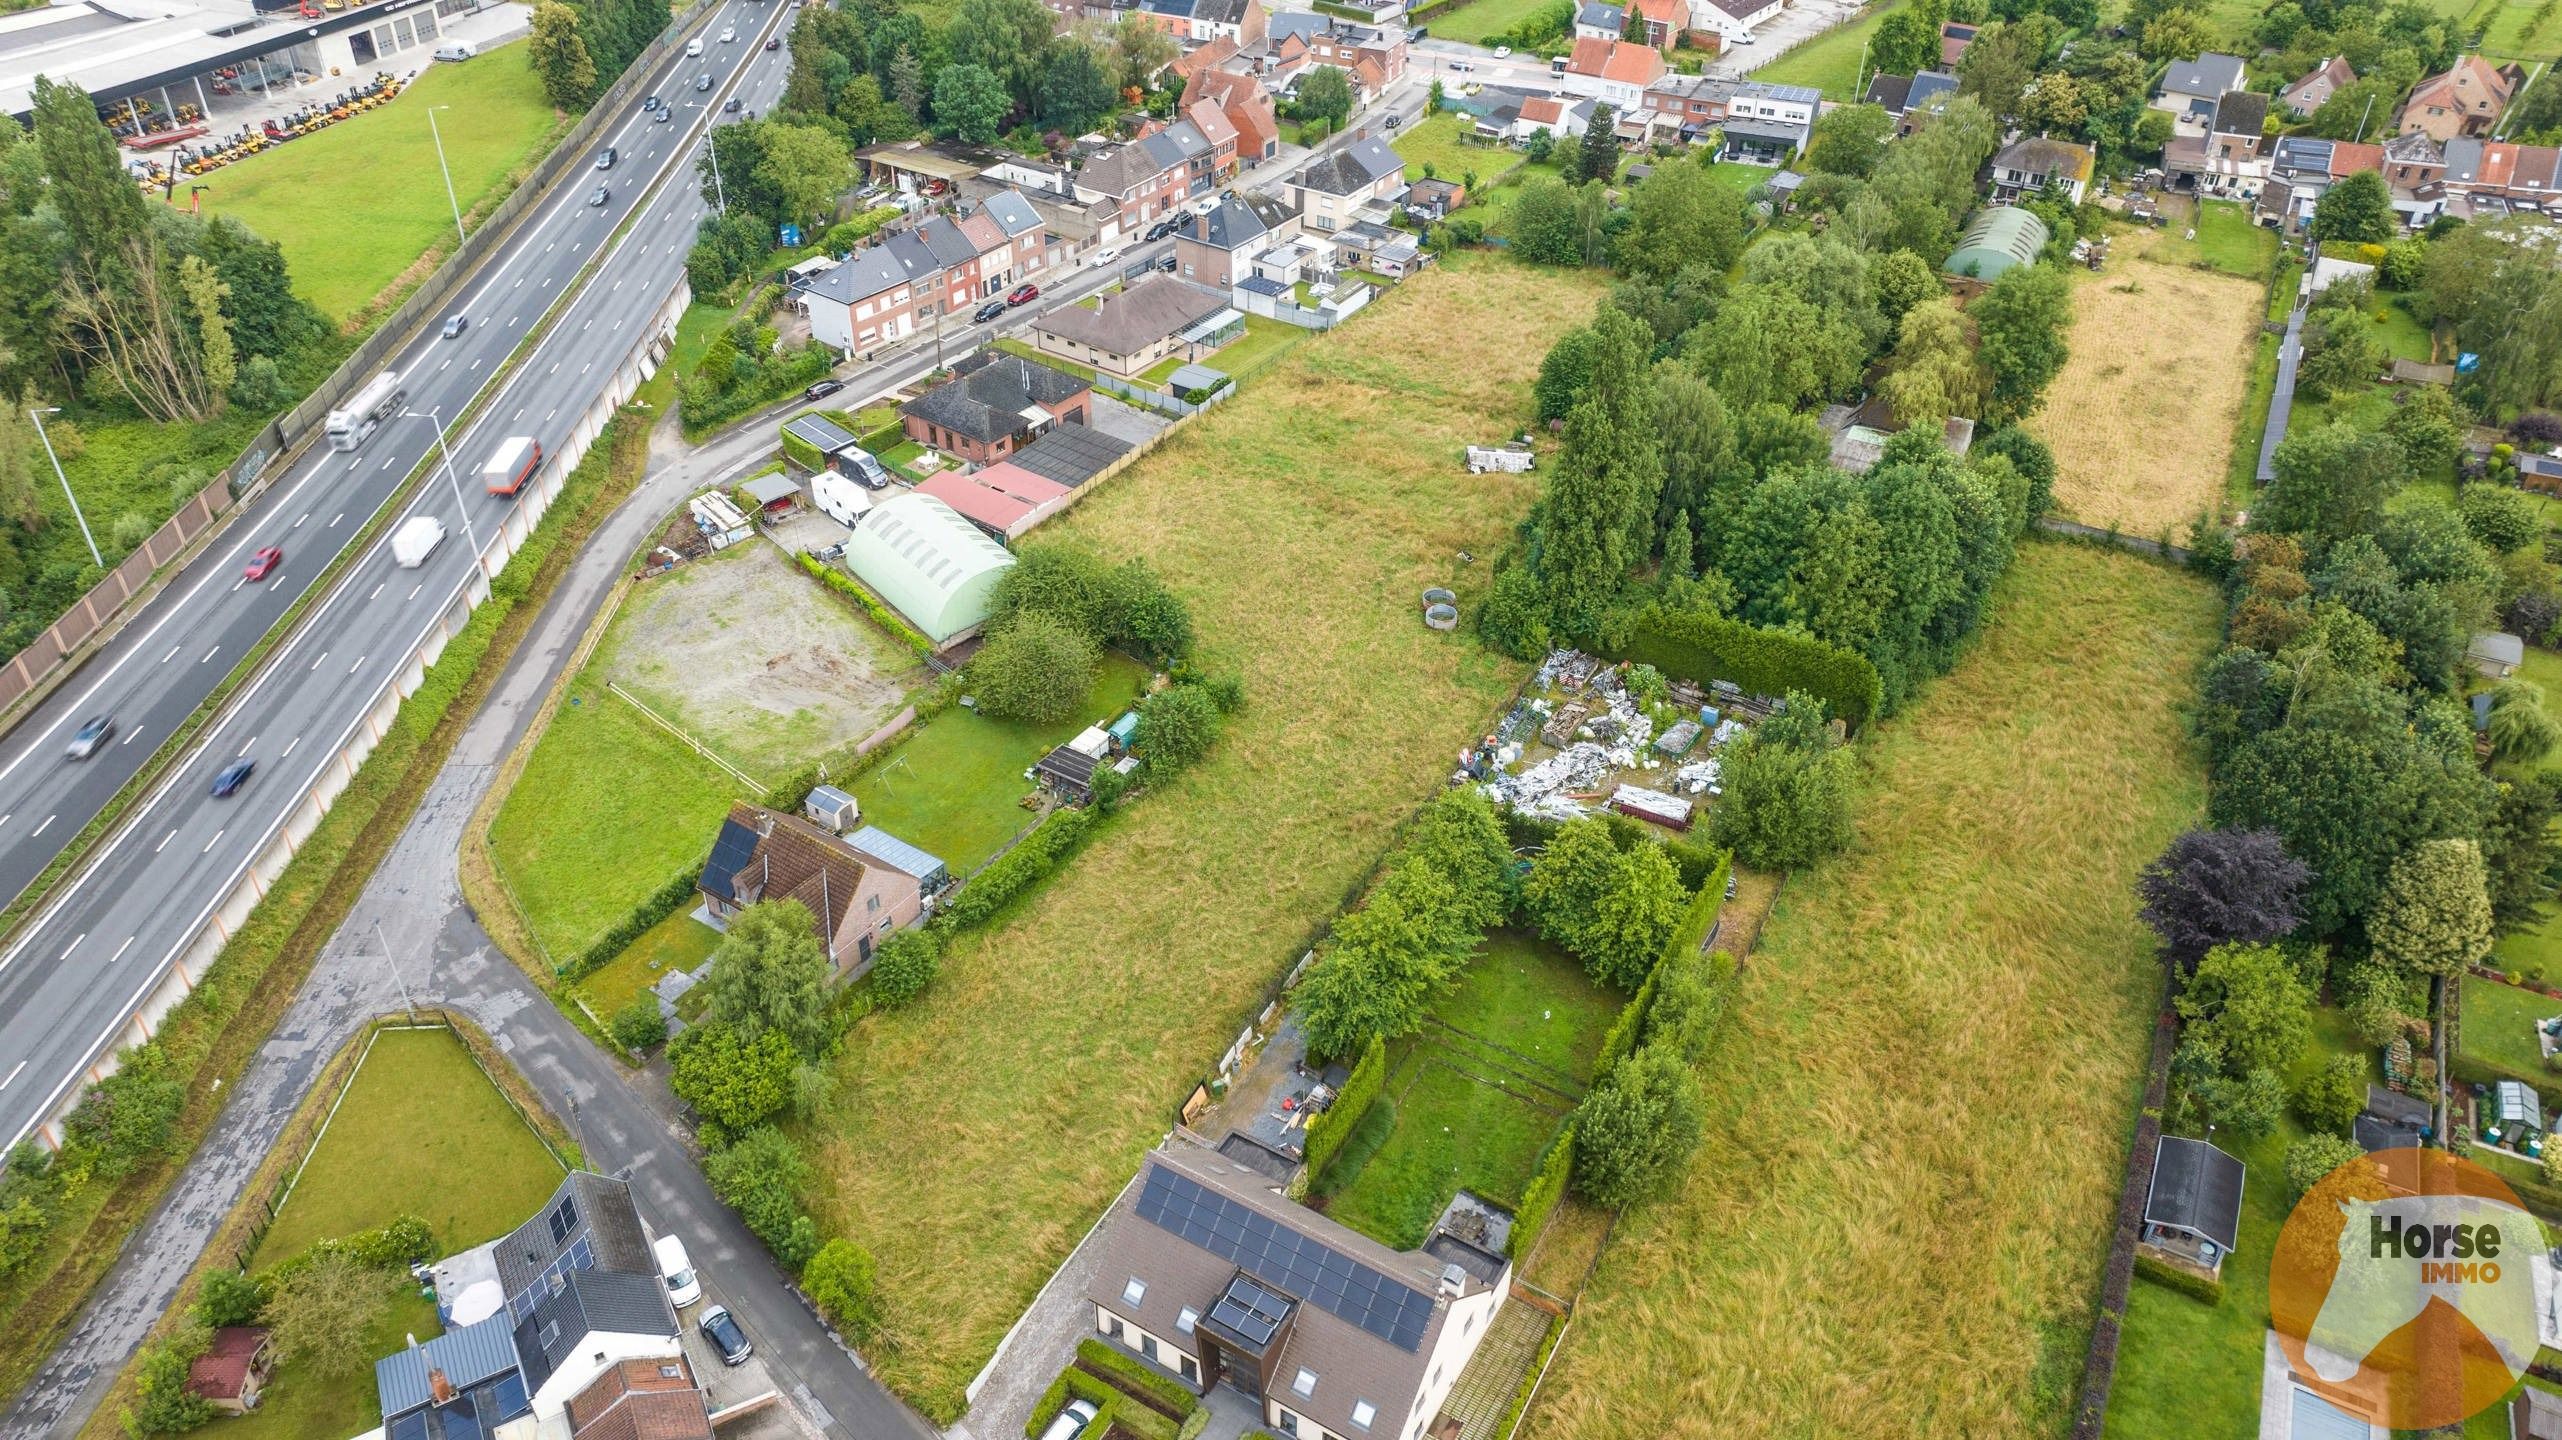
{"type": "Point", "coordinates": [1023, 295]}
{"type": "Point", "coordinates": [722, 1330]}
{"type": "Point", "coordinates": [89, 738]}
{"type": "Point", "coordinates": [232, 776]}
{"type": "Point", "coordinates": [1072, 1420]}
{"type": "Point", "coordinates": [264, 563]}
{"type": "Point", "coordinates": [822, 389]}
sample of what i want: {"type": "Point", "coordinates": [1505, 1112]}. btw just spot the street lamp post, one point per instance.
{"type": "Point", "coordinates": [439, 137]}
{"type": "Point", "coordinates": [38, 414]}
{"type": "Point", "coordinates": [436, 418]}
{"type": "Point", "coordinates": [720, 192]}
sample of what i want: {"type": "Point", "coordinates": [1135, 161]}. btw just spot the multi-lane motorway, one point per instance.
{"type": "Point", "coordinates": [88, 958]}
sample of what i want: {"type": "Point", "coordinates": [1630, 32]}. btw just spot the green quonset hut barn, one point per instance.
{"type": "Point", "coordinates": [1999, 239]}
{"type": "Point", "coordinates": [931, 565]}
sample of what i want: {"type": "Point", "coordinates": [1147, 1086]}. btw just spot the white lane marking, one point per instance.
{"type": "Point", "coordinates": [377, 595]}
{"type": "Point", "coordinates": [305, 516]}
{"type": "Point", "coordinates": [13, 1074]}
{"type": "Point", "coordinates": [520, 283]}
{"type": "Point", "coordinates": [414, 589]}
{"type": "Point", "coordinates": [441, 369]}
{"type": "Point", "coordinates": [4, 819]}
{"type": "Point", "coordinates": [74, 945]}
{"type": "Point", "coordinates": [334, 519]}
{"type": "Point", "coordinates": [618, 287]}
{"type": "Point", "coordinates": [120, 950]}
{"type": "Point", "coordinates": [289, 746]}
{"type": "Point", "coordinates": [210, 654]}
{"type": "Point", "coordinates": [245, 744]}
{"type": "Point", "coordinates": [243, 580]}
{"type": "Point", "coordinates": [315, 664]}
{"type": "Point", "coordinates": [359, 665]}
{"type": "Point", "coordinates": [164, 842]}
{"type": "Point", "coordinates": [47, 825]}
{"type": "Point", "coordinates": [174, 649]}
{"type": "Point", "coordinates": [131, 734]}
{"type": "Point", "coordinates": [210, 844]}
{"type": "Point", "coordinates": [387, 462]}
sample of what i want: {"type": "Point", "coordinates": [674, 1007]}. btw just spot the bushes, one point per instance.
{"type": "Point", "coordinates": [1327, 1131]}
{"type": "Point", "coordinates": [163, 1403]}
{"type": "Point", "coordinates": [640, 1025]}
{"type": "Point", "coordinates": [673, 895]}
{"type": "Point", "coordinates": [882, 615]}
{"type": "Point", "coordinates": [1612, 908]}
{"type": "Point", "coordinates": [714, 396]}
{"type": "Point", "coordinates": [760, 1176]}
{"type": "Point", "coordinates": [128, 1118]}
{"type": "Point", "coordinates": [1124, 607]}
{"type": "Point", "coordinates": [1547, 1186]}
{"type": "Point", "coordinates": [1637, 1128]}
{"type": "Point", "coordinates": [1788, 786]}
{"type": "Point", "coordinates": [1177, 726]}
{"type": "Point", "coordinates": [1118, 1406]}
{"type": "Point", "coordinates": [1701, 647]}
{"type": "Point", "coordinates": [732, 1082]}
{"type": "Point", "coordinates": [2171, 1277]}
{"type": "Point", "coordinates": [1033, 857]}
{"type": "Point", "coordinates": [839, 1280]}
{"type": "Point", "coordinates": [1037, 667]}
{"type": "Point", "coordinates": [904, 965]}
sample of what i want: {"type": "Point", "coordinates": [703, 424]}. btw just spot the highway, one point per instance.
{"type": "Point", "coordinates": [96, 949]}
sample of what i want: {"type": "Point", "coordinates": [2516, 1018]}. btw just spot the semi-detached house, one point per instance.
{"type": "Point", "coordinates": [1154, 175]}
{"type": "Point", "coordinates": [884, 295]}
{"type": "Point", "coordinates": [1615, 72]}
{"type": "Point", "coordinates": [1331, 191]}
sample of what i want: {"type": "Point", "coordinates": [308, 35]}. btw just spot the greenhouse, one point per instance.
{"type": "Point", "coordinates": [931, 565]}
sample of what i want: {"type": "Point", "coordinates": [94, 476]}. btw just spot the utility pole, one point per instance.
{"type": "Point", "coordinates": [39, 413]}
{"type": "Point", "coordinates": [439, 137]}
{"type": "Point", "coordinates": [393, 965]}
{"type": "Point", "coordinates": [436, 418]}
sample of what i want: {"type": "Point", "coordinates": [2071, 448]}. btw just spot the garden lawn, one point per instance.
{"type": "Point", "coordinates": [1441, 142]}
{"type": "Point", "coordinates": [608, 808]}
{"type": "Point", "coordinates": [679, 942]}
{"type": "Point", "coordinates": [1829, 61]}
{"type": "Point", "coordinates": [2499, 1024]}
{"type": "Point", "coordinates": [2513, 33]}
{"type": "Point", "coordinates": [1299, 521]}
{"type": "Point", "coordinates": [952, 787]}
{"type": "Point", "coordinates": [2188, 1368]}
{"type": "Point", "coordinates": [1917, 1125]}
{"type": "Point", "coordinates": [355, 206]}
{"type": "Point", "coordinates": [300, 1405]}
{"type": "Point", "coordinates": [375, 1162]}
{"type": "Point", "coordinates": [2227, 241]}
{"type": "Point", "coordinates": [1473, 22]}
{"type": "Point", "coordinates": [1473, 1100]}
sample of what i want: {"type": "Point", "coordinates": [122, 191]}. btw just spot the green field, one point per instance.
{"type": "Point", "coordinates": [568, 839]}
{"type": "Point", "coordinates": [2227, 241]}
{"type": "Point", "coordinates": [1918, 1119]}
{"type": "Point", "coordinates": [1474, 22]}
{"type": "Point", "coordinates": [1829, 61]}
{"type": "Point", "coordinates": [1473, 1101]}
{"type": "Point", "coordinates": [376, 1161]}
{"type": "Point", "coordinates": [2512, 32]}
{"type": "Point", "coordinates": [2499, 1024]}
{"type": "Point", "coordinates": [355, 205]}
{"type": "Point", "coordinates": [1443, 142]}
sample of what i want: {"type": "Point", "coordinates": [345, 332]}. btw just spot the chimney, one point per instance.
{"type": "Point", "coordinates": [1453, 1281]}
{"type": "Point", "coordinates": [440, 1391]}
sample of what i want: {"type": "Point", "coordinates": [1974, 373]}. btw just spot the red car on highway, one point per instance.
{"type": "Point", "coordinates": [262, 563]}
{"type": "Point", "coordinates": [1024, 295]}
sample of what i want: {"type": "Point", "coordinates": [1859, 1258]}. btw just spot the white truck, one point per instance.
{"type": "Point", "coordinates": [415, 540]}
{"type": "Point", "coordinates": [365, 411]}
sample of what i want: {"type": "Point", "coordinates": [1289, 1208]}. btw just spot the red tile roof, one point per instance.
{"type": "Point", "coordinates": [222, 1372]}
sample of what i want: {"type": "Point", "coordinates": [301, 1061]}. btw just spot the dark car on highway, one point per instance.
{"type": "Point", "coordinates": [987, 312]}
{"type": "Point", "coordinates": [774, 44]}
{"type": "Point", "coordinates": [730, 106]}
{"type": "Point", "coordinates": [702, 83]}
{"type": "Point", "coordinates": [233, 776]}
{"type": "Point", "coordinates": [722, 1330]}
{"type": "Point", "coordinates": [605, 158]}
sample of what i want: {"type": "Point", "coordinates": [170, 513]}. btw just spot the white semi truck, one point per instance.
{"type": "Point", "coordinates": [365, 411]}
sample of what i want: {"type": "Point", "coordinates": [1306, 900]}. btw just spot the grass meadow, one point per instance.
{"type": "Point", "coordinates": [1829, 61]}
{"type": "Point", "coordinates": [1441, 141]}
{"type": "Point", "coordinates": [355, 206]}
{"type": "Point", "coordinates": [1919, 1121]}
{"type": "Point", "coordinates": [1300, 521]}
{"type": "Point", "coordinates": [2499, 1024]}
{"type": "Point", "coordinates": [1475, 21]}
{"type": "Point", "coordinates": [2148, 404]}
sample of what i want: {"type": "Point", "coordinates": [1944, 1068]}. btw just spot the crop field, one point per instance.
{"type": "Point", "coordinates": [355, 206]}
{"type": "Point", "coordinates": [2145, 411]}
{"type": "Point", "coordinates": [1301, 521]}
{"type": "Point", "coordinates": [1918, 1121]}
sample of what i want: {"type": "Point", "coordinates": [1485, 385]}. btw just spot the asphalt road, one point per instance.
{"type": "Point", "coordinates": [97, 949]}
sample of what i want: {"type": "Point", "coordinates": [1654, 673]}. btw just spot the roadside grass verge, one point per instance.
{"type": "Point", "coordinates": [1918, 1121]}
{"type": "Point", "coordinates": [355, 206]}
{"type": "Point", "coordinates": [377, 1160]}
{"type": "Point", "coordinates": [1300, 522]}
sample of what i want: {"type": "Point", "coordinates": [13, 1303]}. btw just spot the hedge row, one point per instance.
{"type": "Point", "coordinates": [1032, 859]}
{"type": "Point", "coordinates": [1698, 647]}
{"type": "Point", "coordinates": [2186, 1282]}
{"type": "Point", "coordinates": [703, 408]}
{"type": "Point", "coordinates": [671, 896]}
{"type": "Point", "coordinates": [1692, 859]}
{"type": "Point", "coordinates": [1538, 1199]}
{"type": "Point", "coordinates": [882, 615]}
{"type": "Point", "coordinates": [802, 453]}
{"type": "Point", "coordinates": [1113, 1411]}
{"type": "Point", "coordinates": [1687, 937]}
{"type": "Point", "coordinates": [1171, 1394]}
{"type": "Point", "coordinates": [1328, 1130]}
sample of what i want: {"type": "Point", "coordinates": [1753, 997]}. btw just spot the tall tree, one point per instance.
{"type": "Point", "coordinates": [2218, 887]}
{"type": "Point", "coordinates": [20, 454]}
{"type": "Point", "coordinates": [205, 295]}
{"type": "Point", "coordinates": [2246, 1005]}
{"type": "Point", "coordinates": [2434, 917]}
{"type": "Point", "coordinates": [1325, 93]}
{"type": "Point", "coordinates": [1596, 521]}
{"type": "Point", "coordinates": [1544, 226]}
{"type": "Point", "coordinates": [806, 168]}
{"type": "Point", "coordinates": [2331, 482]}
{"type": "Point", "coordinates": [321, 1313]}
{"type": "Point", "coordinates": [770, 973]}
{"type": "Point", "coordinates": [2020, 324]}
{"type": "Point", "coordinates": [1934, 375]}
{"type": "Point", "coordinates": [2358, 209]}
{"type": "Point", "coordinates": [560, 58]}
{"type": "Point", "coordinates": [1006, 38]}
{"type": "Point", "coordinates": [1076, 88]}
{"type": "Point", "coordinates": [1682, 216]}
{"type": "Point", "coordinates": [1637, 1128]}
{"type": "Point", "coordinates": [1597, 154]}
{"type": "Point", "coordinates": [1848, 140]}
{"type": "Point", "coordinates": [1140, 48]}
{"type": "Point", "coordinates": [970, 103]}
{"type": "Point", "coordinates": [1788, 787]}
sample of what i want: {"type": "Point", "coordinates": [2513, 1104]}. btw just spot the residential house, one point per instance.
{"type": "Point", "coordinates": [1002, 499]}
{"type": "Point", "coordinates": [1597, 21]}
{"type": "Point", "coordinates": [1218, 249]}
{"type": "Point", "coordinates": [2042, 165]}
{"type": "Point", "coordinates": [1379, 249]}
{"type": "Point", "coordinates": [1433, 198]}
{"type": "Point", "coordinates": [762, 855]}
{"type": "Point", "coordinates": [1215, 55]}
{"type": "Point", "coordinates": [2193, 1212]}
{"type": "Point", "coordinates": [994, 404]}
{"type": "Point", "coordinates": [1239, 22]}
{"type": "Point", "coordinates": [1954, 39]}
{"type": "Point", "coordinates": [1910, 100]}
{"type": "Point", "coordinates": [1614, 72]}
{"type": "Point", "coordinates": [537, 1318]}
{"type": "Point", "coordinates": [2305, 96]}
{"type": "Point", "coordinates": [233, 1370]}
{"type": "Point", "coordinates": [2303, 169]}
{"type": "Point", "coordinates": [1209, 1269]}
{"type": "Point", "coordinates": [1245, 104]}
{"type": "Point", "coordinates": [1664, 21]}
{"type": "Point", "coordinates": [2465, 99]}
{"type": "Point", "coordinates": [1375, 55]}
{"type": "Point", "coordinates": [1331, 191]}
{"type": "Point", "coordinates": [1156, 174]}
{"type": "Point", "coordinates": [2488, 179]}
{"type": "Point", "coordinates": [2190, 88]}
{"type": "Point", "coordinates": [2227, 159]}
{"type": "Point", "coordinates": [1730, 22]}
{"type": "Point", "coordinates": [642, 1400]}
{"type": "Point", "coordinates": [1765, 122]}
{"type": "Point", "coordinates": [885, 294]}
{"type": "Point", "coordinates": [1561, 117]}
{"type": "Point", "coordinates": [1126, 333]}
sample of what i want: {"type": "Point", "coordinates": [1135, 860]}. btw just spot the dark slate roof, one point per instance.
{"type": "Point", "coordinates": [731, 852]}
{"type": "Point", "coordinates": [2397, 1107]}
{"type": "Point", "coordinates": [1889, 91]}
{"type": "Point", "coordinates": [1232, 224]}
{"type": "Point", "coordinates": [1928, 85]}
{"type": "Point", "coordinates": [1146, 312]}
{"type": "Point", "coordinates": [2196, 1187]}
{"type": "Point", "coordinates": [2208, 74]}
{"type": "Point", "coordinates": [1012, 213]}
{"type": "Point", "coordinates": [595, 1209]}
{"type": "Point", "coordinates": [864, 274]}
{"type": "Point", "coordinates": [2373, 1135]}
{"type": "Point", "coordinates": [1600, 16]}
{"type": "Point", "coordinates": [987, 399]}
{"type": "Point", "coordinates": [1351, 168]}
{"type": "Point", "coordinates": [2241, 112]}
{"type": "Point", "coordinates": [590, 1302]}
{"type": "Point", "coordinates": [470, 1356]}
{"type": "Point", "coordinates": [1072, 454]}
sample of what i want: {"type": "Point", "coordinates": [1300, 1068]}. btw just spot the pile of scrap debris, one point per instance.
{"type": "Point", "coordinates": [1581, 712]}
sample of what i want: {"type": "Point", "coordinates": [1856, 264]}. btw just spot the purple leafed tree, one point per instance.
{"type": "Point", "coordinates": [2212, 887]}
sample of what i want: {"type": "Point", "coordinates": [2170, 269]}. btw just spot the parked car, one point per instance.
{"type": "Point", "coordinates": [90, 737]}
{"type": "Point", "coordinates": [1158, 231]}
{"type": "Point", "coordinates": [726, 1337]}
{"type": "Point", "coordinates": [605, 158]}
{"type": "Point", "coordinates": [1461, 67]}
{"type": "Point", "coordinates": [456, 324]}
{"type": "Point", "coordinates": [987, 312]}
{"type": "Point", "coordinates": [1503, 52]}
{"type": "Point", "coordinates": [232, 777]}
{"type": "Point", "coordinates": [867, 467]}
{"type": "Point", "coordinates": [1023, 295]}
{"type": "Point", "coordinates": [601, 196]}
{"type": "Point", "coordinates": [684, 1286]}
{"type": "Point", "coordinates": [1165, 263]}
{"type": "Point", "coordinates": [1107, 255]}
{"type": "Point", "coordinates": [264, 563]}
{"type": "Point", "coordinates": [822, 389]}
{"type": "Point", "coordinates": [1072, 1419]}
{"type": "Point", "coordinates": [1395, 120]}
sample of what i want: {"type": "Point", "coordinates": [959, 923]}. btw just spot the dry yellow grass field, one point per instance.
{"type": "Point", "coordinates": [1919, 1117]}
{"type": "Point", "coordinates": [2143, 416]}
{"type": "Point", "coordinates": [977, 1135]}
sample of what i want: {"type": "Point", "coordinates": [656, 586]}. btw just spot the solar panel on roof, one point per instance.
{"type": "Point", "coordinates": [1283, 1258]}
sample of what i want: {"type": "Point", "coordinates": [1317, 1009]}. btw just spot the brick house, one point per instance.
{"type": "Point", "coordinates": [994, 404]}
{"type": "Point", "coordinates": [763, 855]}
{"type": "Point", "coordinates": [883, 295]}
{"type": "Point", "coordinates": [1330, 192]}
{"type": "Point", "coordinates": [2465, 99]}
{"type": "Point", "coordinates": [2305, 96]}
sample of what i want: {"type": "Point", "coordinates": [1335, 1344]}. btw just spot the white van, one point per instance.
{"type": "Point", "coordinates": [694, 46]}
{"type": "Point", "coordinates": [684, 1287]}
{"type": "Point", "coordinates": [456, 52]}
{"type": "Point", "coordinates": [840, 497]}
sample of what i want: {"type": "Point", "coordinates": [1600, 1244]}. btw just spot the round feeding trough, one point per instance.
{"type": "Point", "coordinates": [1438, 596]}
{"type": "Point", "coordinates": [1441, 617]}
